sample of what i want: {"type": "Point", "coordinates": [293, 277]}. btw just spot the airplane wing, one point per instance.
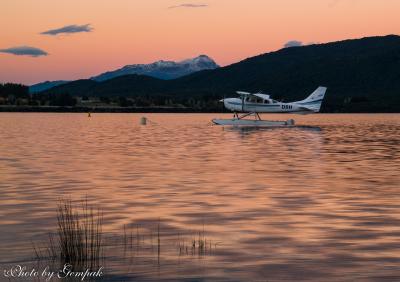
{"type": "Point", "coordinates": [262, 96]}
{"type": "Point", "coordinates": [243, 93]}
{"type": "Point", "coordinates": [259, 95]}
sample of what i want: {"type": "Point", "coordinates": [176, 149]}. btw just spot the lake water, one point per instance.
{"type": "Point", "coordinates": [317, 202]}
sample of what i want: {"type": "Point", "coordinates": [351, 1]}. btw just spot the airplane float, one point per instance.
{"type": "Point", "coordinates": [252, 104]}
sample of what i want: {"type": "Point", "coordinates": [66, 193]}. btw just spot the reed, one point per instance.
{"type": "Point", "coordinates": [80, 240]}
{"type": "Point", "coordinates": [198, 244]}
{"type": "Point", "coordinates": [158, 240]}
{"type": "Point", "coordinates": [79, 235]}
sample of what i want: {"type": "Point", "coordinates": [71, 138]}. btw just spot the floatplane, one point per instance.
{"type": "Point", "coordinates": [253, 104]}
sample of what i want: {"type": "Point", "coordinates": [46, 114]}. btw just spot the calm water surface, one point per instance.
{"type": "Point", "coordinates": [318, 202]}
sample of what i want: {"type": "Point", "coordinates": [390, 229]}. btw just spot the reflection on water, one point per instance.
{"type": "Point", "coordinates": [315, 202]}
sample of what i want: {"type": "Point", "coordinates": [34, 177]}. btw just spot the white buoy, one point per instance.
{"type": "Point", "coordinates": [143, 120]}
{"type": "Point", "coordinates": [290, 122]}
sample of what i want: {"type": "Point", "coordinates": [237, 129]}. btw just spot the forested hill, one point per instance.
{"type": "Point", "coordinates": [362, 75]}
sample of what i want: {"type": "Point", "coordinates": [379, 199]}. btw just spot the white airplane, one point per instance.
{"type": "Point", "coordinates": [255, 103]}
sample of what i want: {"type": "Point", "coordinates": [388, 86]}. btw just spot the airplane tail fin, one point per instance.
{"type": "Point", "coordinates": [314, 101]}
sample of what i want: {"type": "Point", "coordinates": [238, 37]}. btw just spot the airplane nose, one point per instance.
{"type": "Point", "coordinates": [226, 103]}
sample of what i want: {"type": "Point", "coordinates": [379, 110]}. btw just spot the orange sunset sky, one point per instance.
{"type": "Point", "coordinates": [142, 31]}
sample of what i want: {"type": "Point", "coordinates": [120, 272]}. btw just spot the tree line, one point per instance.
{"type": "Point", "coordinates": [18, 95]}
{"type": "Point", "coordinates": [12, 94]}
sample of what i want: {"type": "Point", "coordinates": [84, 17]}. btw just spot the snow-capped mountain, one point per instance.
{"type": "Point", "coordinates": [163, 69]}
{"type": "Point", "coordinates": [160, 69]}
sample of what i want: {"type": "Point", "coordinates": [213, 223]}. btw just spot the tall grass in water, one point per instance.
{"type": "Point", "coordinates": [79, 235]}
{"type": "Point", "coordinates": [80, 240]}
{"type": "Point", "coordinates": [200, 246]}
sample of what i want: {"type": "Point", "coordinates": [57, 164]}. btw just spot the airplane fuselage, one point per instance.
{"type": "Point", "coordinates": [263, 103]}
{"type": "Point", "coordinates": [236, 105]}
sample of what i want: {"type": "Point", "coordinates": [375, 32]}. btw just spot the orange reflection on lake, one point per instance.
{"type": "Point", "coordinates": [316, 202]}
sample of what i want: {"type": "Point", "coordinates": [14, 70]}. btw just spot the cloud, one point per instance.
{"type": "Point", "coordinates": [189, 5]}
{"type": "Point", "coordinates": [333, 3]}
{"type": "Point", "coordinates": [296, 43]}
{"type": "Point", "coordinates": [69, 29]}
{"type": "Point", "coordinates": [24, 51]}
{"type": "Point", "coordinates": [293, 43]}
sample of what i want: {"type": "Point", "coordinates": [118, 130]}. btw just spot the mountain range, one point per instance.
{"type": "Point", "coordinates": [160, 69]}
{"type": "Point", "coordinates": [362, 75]}
{"type": "Point", "coordinates": [163, 69]}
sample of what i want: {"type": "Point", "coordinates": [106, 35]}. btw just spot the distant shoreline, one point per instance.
{"type": "Point", "coordinates": [74, 109]}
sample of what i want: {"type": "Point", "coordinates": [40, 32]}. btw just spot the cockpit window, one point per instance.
{"type": "Point", "coordinates": [266, 102]}
{"type": "Point", "coordinates": [254, 100]}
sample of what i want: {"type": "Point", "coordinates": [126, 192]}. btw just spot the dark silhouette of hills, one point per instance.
{"type": "Point", "coordinates": [42, 86]}
{"type": "Point", "coordinates": [362, 75]}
